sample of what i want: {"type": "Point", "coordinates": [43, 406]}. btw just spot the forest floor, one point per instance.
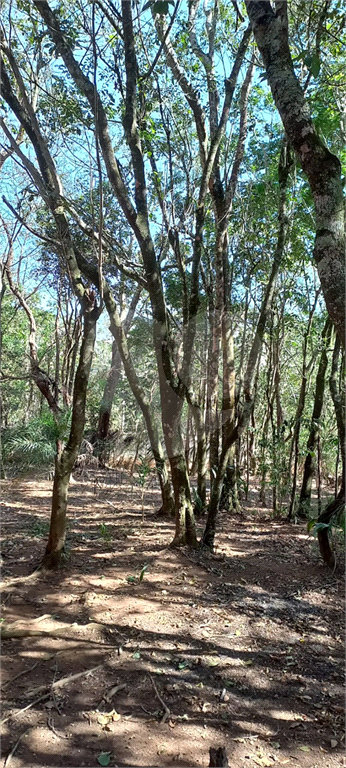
{"type": "Point", "coordinates": [242, 649]}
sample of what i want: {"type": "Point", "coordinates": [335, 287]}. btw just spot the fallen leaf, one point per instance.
{"type": "Point", "coordinates": [104, 758]}
{"type": "Point", "coordinates": [305, 748]}
{"type": "Point", "coordinates": [333, 743]}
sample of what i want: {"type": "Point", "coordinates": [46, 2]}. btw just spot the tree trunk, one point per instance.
{"type": "Point", "coordinates": [108, 394]}
{"type": "Point", "coordinates": [67, 455]}
{"type": "Point", "coordinates": [309, 465]}
{"type": "Point", "coordinates": [322, 168]}
{"type": "Point", "coordinates": [185, 528]}
{"type": "Point", "coordinates": [234, 433]}
{"type": "Point", "coordinates": [114, 374]}
{"type": "Point", "coordinates": [229, 499]}
{"type": "Point", "coordinates": [201, 459]}
{"type": "Point", "coordinates": [294, 453]}
{"type": "Point", "coordinates": [337, 506]}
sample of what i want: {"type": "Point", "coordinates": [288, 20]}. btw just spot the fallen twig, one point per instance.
{"type": "Point", "coordinates": [108, 696]}
{"type": "Point", "coordinates": [26, 671]}
{"type": "Point", "coordinates": [110, 503]}
{"type": "Point", "coordinates": [28, 706]}
{"type": "Point", "coordinates": [63, 681]}
{"type": "Point", "coordinates": [10, 755]}
{"type": "Point", "coordinates": [167, 711]}
{"type": "Point", "coordinates": [50, 723]}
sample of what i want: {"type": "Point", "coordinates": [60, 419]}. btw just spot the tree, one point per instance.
{"type": "Point", "coordinates": [322, 167]}
{"type": "Point", "coordinates": [309, 464]}
{"type": "Point", "coordinates": [50, 187]}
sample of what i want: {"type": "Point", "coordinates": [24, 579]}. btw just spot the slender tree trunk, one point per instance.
{"type": "Point", "coordinates": [285, 164]}
{"type": "Point", "coordinates": [201, 459]}
{"type": "Point", "coordinates": [66, 456]}
{"type": "Point", "coordinates": [114, 374]}
{"type": "Point", "coordinates": [322, 168]}
{"type": "Point", "coordinates": [294, 453]}
{"type": "Point", "coordinates": [108, 394]}
{"type": "Point", "coordinates": [309, 465]}
{"type": "Point", "coordinates": [118, 331]}
{"type": "Point", "coordinates": [336, 507]}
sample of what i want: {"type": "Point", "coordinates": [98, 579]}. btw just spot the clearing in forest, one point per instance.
{"type": "Point", "coordinates": [134, 654]}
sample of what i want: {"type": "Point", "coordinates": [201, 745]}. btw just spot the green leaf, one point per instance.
{"type": "Point", "coordinates": [161, 7]}
{"type": "Point", "coordinates": [141, 575]}
{"type": "Point", "coordinates": [136, 655]}
{"type": "Point", "coordinates": [315, 65]}
{"type": "Point", "coordinates": [131, 579]}
{"type": "Point", "coordinates": [311, 524]}
{"type": "Point", "coordinates": [104, 758]}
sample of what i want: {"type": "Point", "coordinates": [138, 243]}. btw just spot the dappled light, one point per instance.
{"type": "Point", "coordinates": [242, 648]}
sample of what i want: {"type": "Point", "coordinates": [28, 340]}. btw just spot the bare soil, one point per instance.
{"type": "Point", "coordinates": [241, 649]}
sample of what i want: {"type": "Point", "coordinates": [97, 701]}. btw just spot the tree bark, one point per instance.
{"type": "Point", "coordinates": [114, 375]}
{"type": "Point", "coordinates": [294, 452]}
{"type": "Point", "coordinates": [309, 464]}
{"type": "Point", "coordinates": [66, 456]}
{"type": "Point", "coordinates": [322, 168]}
{"type": "Point", "coordinates": [336, 507]}
{"type": "Point", "coordinates": [285, 164]}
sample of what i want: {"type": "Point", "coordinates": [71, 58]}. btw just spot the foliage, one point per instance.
{"type": "Point", "coordinates": [35, 443]}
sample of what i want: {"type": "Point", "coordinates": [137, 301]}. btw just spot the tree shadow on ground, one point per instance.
{"type": "Point", "coordinates": [241, 649]}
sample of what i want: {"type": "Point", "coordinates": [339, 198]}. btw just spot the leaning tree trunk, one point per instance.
{"type": "Point", "coordinates": [67, 455]}
{"type": "Point", "coordinates": [336, 507]}
{"type": "Point", "coordinates": [322, 168]}
{"type": "Point", "coordinates": [309, 464]}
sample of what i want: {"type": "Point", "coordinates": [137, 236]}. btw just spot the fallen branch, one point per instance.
{"type": "Point", "coordinates": [47, 657]}
{"type": "Point", "coordinates": [12, 716]}
{"type": "Point", "coordinates": [167, 711]}
{"type": "Point", "coordinates": [63, 681]}
{"type": "Point", "coordinates": [108, 696]}
{"type": "Point", "coordinates": [10, 755]}
{"type": "Point", "coordinates": [50, 723]}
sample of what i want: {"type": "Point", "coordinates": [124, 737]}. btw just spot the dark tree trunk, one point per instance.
{"type": "Point", "coordinates": [294, 453]}
{"type": "Point", "coordinates": [309, 465]}
{"type": "Point", "coordinates": [336, 507]}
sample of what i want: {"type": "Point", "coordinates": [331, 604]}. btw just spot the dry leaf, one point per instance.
{"type": "Point", "coordinates": [333, 743]}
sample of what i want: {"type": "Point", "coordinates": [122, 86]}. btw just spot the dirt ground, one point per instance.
{"type": "Point", "coordinates": [241, 649]}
